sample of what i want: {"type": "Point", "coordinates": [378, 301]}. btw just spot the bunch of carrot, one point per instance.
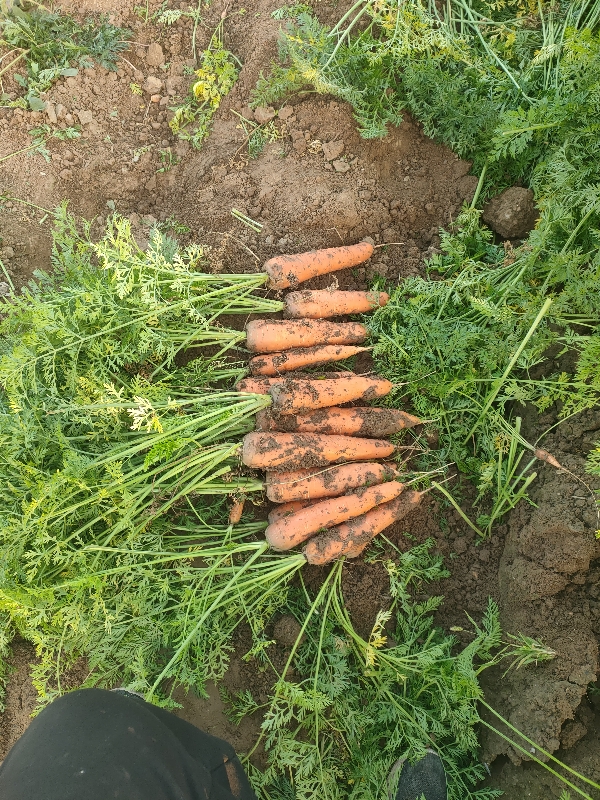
{"type": "Point", "coordinates": [325, 463]}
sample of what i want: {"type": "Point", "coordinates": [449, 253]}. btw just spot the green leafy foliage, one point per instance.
{"type": "Point", "coordinates": [54, 45]}
{"type": "Point", "coordinates": [117, 464]}
{"type": "Point", "coordinates": [354, 705]}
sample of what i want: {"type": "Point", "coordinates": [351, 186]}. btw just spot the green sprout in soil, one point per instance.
{"type": "Point", "coordinates": [215, 79]}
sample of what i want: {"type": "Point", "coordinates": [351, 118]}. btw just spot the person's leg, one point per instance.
{"type": "Point", "coordinates": [96, 745]}
{"type": "Point", "coordinates": [425, 778]}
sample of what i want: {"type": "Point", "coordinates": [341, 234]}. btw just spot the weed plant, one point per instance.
{"type": "Point", "coordinates": [513, 88]}
{"type": "Point", "coordinates": [51, 45]}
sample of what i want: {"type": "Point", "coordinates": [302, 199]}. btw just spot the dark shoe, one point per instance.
{"type": "Point", "coordinates": [425, 778]}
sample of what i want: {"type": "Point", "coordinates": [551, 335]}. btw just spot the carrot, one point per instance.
{"type": "Point", "coordinates": [275, 363]}
{"type": "Point", "coordinates": [287, 509]}
{"type": "Point", "coordinates": [235, 513]}
{"type": "Point", "coordinates": [312, 484]}
{"type": "Point", "coordinates": [292, 530]}
{"type": "Point", "coordinates": [370, 422]}
{"type": "Point", "coordinates": [290, 270]}
{"type": "Point", "coordinates": [292, 396]}
{"type": "Point", "coordinates": [319, 304]}
{"type": "Point", "coordinates": [262, 385]}
{"type": "Point", "coordinates": [289, 451]}
{"type": "Point", "coordinates": [272, 336]}
{"type": "Point", "coordinates": [352, 537]}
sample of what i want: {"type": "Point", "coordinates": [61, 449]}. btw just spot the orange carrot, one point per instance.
{"type": "Point", "coordinates": [312, 484]}
{"type": "Point", "coordinates": [358, 421]}
{"type": "Point", "coordinates": [319, 304]}
{"type": "Point", "coordinates": [287, 509]}
{"type": "Point", "coordinates": [289, 451]}
{"type": "Point", "coordinates": [235, 513]}
{"type": "Point", "coordinates": [290, 270]}
{"type": "Point", "coordinates": [272, 336]}
{"type": "Point", "coordinates": [352, 537]}
{"type": "Point", "coordinates": [262, 385]}
{"type": "Point", "coordinates": [293, 397]}
{"type": "Point", "coordinates": [291, 531]}
{"type": "Point", "coordinates": [276, 363]}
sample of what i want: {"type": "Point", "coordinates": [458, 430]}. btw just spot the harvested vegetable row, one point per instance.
{"type": "Point", "coordinates": [300, 357]}
{"type": "Point", "coordinates": [323, 303]}
{"type": "Point", "coordinates": [292, 530]}
{"type": "Point", "coordinates": [293, 396]}
{"type": "Point", "coordinates": [351, 538]}
{"type": "Point", "coordinates": [371, 422]}
{"type": "Point", "coordinates": [273, 336]}
{"type": "Point", "coordinates": [312, 484]}
{"type": "Point", "coordinates": [290, 270]}
{"type": "Point", "coordinates": [290, 451]}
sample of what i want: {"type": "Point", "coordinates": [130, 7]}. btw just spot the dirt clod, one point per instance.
{"type": "Point", "coordinates": [512, 214]}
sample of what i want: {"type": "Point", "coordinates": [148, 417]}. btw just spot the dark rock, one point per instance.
{"type": "Point", "coordinates": [512, 214]}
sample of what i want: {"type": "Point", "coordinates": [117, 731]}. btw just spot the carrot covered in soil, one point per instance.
{"type": "Point", "coordinates": [290, 531]}
{"type": "Point", "coordinates": [359, 421]}
{"type": "Point", "coordinates": [351, 538]}
{"type": "Point", "coordinates": [290, 451]}
{"type": "Point", "coordinates": [273, 336]}
{"type": "Point", "coordinates": [300, 357]}
{"type": "Point", "coordinates": [296, 397]}
{"type": "Point", "coordinates": [287, 509]}
{"type": "Point", "coordinates": [323, 303]}
{"type": "Point", "coordinates": [235, 513]}
{"type": "Point", "coordinates": [290, 270]}
{"type": "Point", "coordinates": [313, 484]}
{"type": "Point", "coordinates": [262, 385]}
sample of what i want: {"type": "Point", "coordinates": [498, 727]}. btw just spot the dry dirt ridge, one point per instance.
{"type": "Point", "coordinates": [319, 185]}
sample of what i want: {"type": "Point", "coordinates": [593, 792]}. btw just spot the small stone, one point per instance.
{"type": "Point", "coordinates": [153, 85]}
{"type": "Point", "coordinates": [333, 150]}
{"type": "Point", "coordinates": [4, 289]}
{"type": "Point", "coordinates": [341, 166]}
{"type": "Point", "coordinates": [155, 126]}
{"type": "Point", "coordinates": [460, 545]}
{"type": "Point", "coordinates": [155, 56]}
{"type": "Point", "coordinates": [285, 113]}
{"type": "Point", "coordinates": [69, 119]}
{"type": "Point", "coordinates": [155, 98]}
{"type": "Point", "coordinates": [269, 240]}
{"type": "Point", "coordinates": [7, 253]}
{"type": "Point", "coordinates": [65, 174]}
{"type": "Point", "coordinates": [262, 114]}
{"type": "Point", "coordinates": [164, 101]}
{"type": "Point", "coordinates": [369, 240]}
{"type": "Point", "coordinates": [51, 113]}
{"type": "Point", "coordinates": [85, 117]}
{"type": "Point", "coordinates": [61, 111]}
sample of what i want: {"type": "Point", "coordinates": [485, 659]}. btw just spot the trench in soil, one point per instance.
{"type": "Point", "coordinates": [541, 565]}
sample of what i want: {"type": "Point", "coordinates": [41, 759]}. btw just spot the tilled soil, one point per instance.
{"type": "Point", "coordinates": [319, 184]}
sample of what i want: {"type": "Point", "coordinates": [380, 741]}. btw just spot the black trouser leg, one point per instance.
{"type": "Point", "coordinates": [94, 745]}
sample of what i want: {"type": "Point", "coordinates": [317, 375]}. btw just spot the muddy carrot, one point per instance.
{"type": "Point", "coordinates": [273, 336]}
{"type": "Point", "coordinates": [235, 513]}
{"type": "Point", "coordinates": [290, 270]}
{"type": "Point", "coordinates": [352, 537]}
{"type": "Point", "coordinates": [287, 509]}
{"type": "Point", "coordinates": [296, 397]}
{"type": "Point", "coordinates": [320, 304]}
{"type": "Point", "coordinates": [300, 357]}
{"type": "Point", "coordinates": [370, 422]}
{"type": "Point", "coordinates": [290, 451]}
{"type": "Point", "coordinates": [262, 385]}
{"type": "Point", "coordinates": [313, 484]}
{"type": "Point", "coordinates": [291, 531]}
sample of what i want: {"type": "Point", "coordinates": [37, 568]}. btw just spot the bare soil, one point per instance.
{"type": "Point", "coordinates": [542, 565]}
